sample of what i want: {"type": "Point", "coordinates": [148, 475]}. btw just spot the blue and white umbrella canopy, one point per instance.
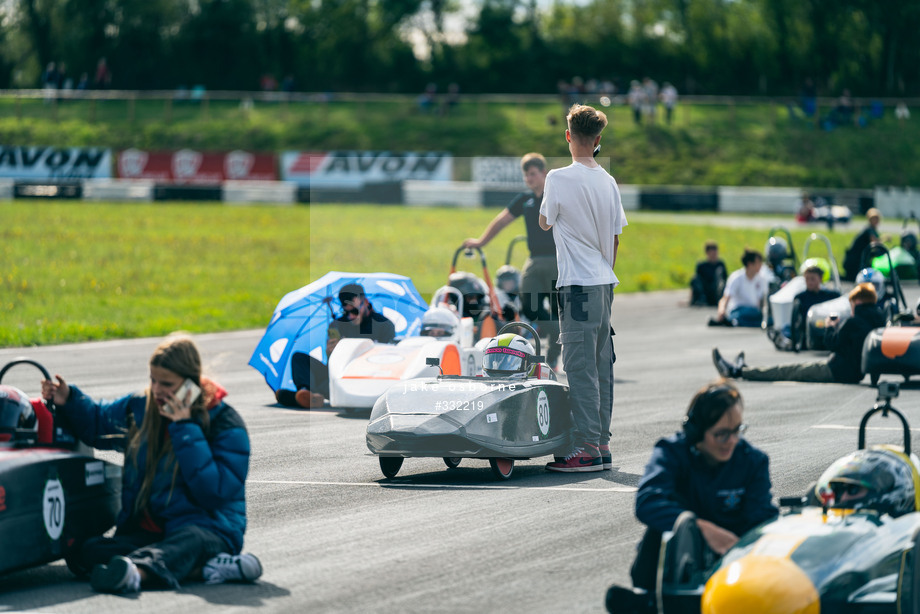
{"type": "Point", "coordinates": [300, 322]}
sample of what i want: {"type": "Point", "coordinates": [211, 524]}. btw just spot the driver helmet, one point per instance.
{"type": "Point", "coordinates": [440, 322]}
{"type": "Point", "coordinates": [879, 479]}
{"type": "Point", "coordinates": [777, 251]}
{"type": "Point", "coordinates": [874, 277]}
{"type": "Point", "coordinates": [821, 263]}
{"type": "Point", "coordinates": [474, 291]}
{"type": "Point", "coordinates": [508, 279]}
{"type": "Point", "coordinates": [16, 413]}
{"type": "Point", "coordinates": [909, 240]}
{"type": "Point", "coordinates": [507, 354]}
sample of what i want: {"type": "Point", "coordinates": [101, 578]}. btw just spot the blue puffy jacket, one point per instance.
{"type": "Point", "coordinates": [209, 489]}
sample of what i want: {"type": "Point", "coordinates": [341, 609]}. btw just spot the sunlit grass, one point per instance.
{"type": "Point", "coordinates": [76, 272]}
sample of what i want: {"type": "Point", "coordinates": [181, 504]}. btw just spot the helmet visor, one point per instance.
{"type": "Point", "coordinates": [504, 360]}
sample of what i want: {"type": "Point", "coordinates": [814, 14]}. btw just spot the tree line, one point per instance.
{"type": "Point", "coordinates": [724, 47]}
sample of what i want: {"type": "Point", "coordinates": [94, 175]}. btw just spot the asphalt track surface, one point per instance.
{"type": "Point", "coordinates": [335, 536]}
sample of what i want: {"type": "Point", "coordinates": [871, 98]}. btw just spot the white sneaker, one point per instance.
{"type": "Point", "coordinates": [232, 568]}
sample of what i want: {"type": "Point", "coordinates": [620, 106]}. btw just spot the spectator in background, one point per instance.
{"type": "Point", "coordinates": [650, 103]}
{"type": "Point", "coordinates": [83, 83]}
{"type": "Point", "coordinates": [852, 259]}
{"type": "Point", "coordinates": [709, 281]}
{"type": "Point", "coordinates": [669, 100]}
{"type": "Point", "coordinates": [744, 293]}
{"type": "Point", "coordinates": [809, 98]}
{"type": "Point", "coordinates": [452, 99]}
{"type": "Point", "coordinates": [268, 83]}
{"type": "Point", "coordinates": [636, 100]}
{"type": "Point", "coordinates": [287, 85]}
{"type": "Point", "coordinates": [103, 79]}
{"type": "Point", "coordinates": [50, 81]}
{"type": "Point", "coordinates": [901, 112]}
{"type": "Point", "coordinates": [806, 209]}
{"type": "Point", "coordinates": [427, 100]}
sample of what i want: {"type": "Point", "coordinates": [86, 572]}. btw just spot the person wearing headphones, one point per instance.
{"type": "Point", "coordinates": [705, 479]}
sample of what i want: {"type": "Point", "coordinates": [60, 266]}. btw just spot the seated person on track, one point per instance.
{"type": "Point", "coordinates": [183, 511]}
{"type": "Point", "coordinates": [709, 281]}
{"type": "Point", "coordinates": [311, 376]}
{"type": "Point", "coordinates": [745, 291]}
{"type": "Point", "coordinates": [843, 366]}
{"type": "Point", "coordinates": [808, 298]}
{"type": "Point", "coordinates": [705, 479]}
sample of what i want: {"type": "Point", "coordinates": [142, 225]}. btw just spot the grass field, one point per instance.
{"type": "Point", "coordinates": [78, 272]}
{"type": "Point", "coordinates": [751, 144]}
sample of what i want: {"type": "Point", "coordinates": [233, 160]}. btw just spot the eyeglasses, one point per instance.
{"type": "Point", "coordinates": [724, 435]}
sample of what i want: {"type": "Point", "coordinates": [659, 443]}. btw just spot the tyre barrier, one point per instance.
{"type": "Point", "coordinates": [893, 202]}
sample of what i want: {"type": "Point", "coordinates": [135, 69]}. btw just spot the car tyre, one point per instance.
{"type": "Point", "coordinates": [390, 465]}
{"type": "Point", "coordinates": [452, 462]}
{"type": "Point", "coordinates": [502, 467]}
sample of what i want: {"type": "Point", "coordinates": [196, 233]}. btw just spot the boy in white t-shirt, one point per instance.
{"type": "Point", "coordinates": [744, 294]}
{"type": "Point", "coordinates": [581, 204]}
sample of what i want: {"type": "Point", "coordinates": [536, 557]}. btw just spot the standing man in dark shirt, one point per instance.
{"type": "Point", "coordinates": [311, 376]}
{"type": "Point", "coordinates": [709, 282]}
{"type": "Point", "coordinates": [538, 280]}
{"type": "Point", "coordinates": [707, 478]}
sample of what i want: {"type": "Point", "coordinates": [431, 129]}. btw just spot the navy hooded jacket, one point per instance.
{"type": "Point", "coordinates": [734, 495]}
{"type": "Point", "coordinates": [209, 488]}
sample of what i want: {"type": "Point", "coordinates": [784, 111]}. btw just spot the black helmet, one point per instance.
{"type": "Point", "coordinates": [475, 293]}
{"type": "Point", "coordinates": [879, 479]}
{"type": "Point", "coordinates": [16, 413]}
{"type": "Point", "coordinates": [909, 240]}
{"type": "Point", "coordinates": [777, 251]}
{"type": "Point", "coordinates": [508, 279]}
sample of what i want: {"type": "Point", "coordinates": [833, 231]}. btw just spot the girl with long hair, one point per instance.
{"type": "Point", "coordinates": [183, 509]}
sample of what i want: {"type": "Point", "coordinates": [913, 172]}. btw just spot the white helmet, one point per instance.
{"type": "Point", "coordinates": [440, 322]}
{"type": "Point", "coordinates": [506, 355]}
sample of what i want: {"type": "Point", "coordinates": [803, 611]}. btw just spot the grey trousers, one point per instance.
{"type": "Point", "coordinates": [538, 300]}
{"type": "Point", "coordinates": [817, 371]}
{"type": "Point", "coordinates": [587, 354]}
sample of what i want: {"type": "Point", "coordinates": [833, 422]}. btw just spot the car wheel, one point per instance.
{"type": "Point", "coordinates": [74, 564]}
{"type": "Point", "coordinates": [390, 465]}
{"type": "Point", "coordinates": [452, 462]}
{"type": "Point", "coordinates": [502, 467]}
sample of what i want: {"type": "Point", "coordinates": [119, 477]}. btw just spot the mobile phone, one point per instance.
{"type": "Point", "coordinates": [184, 389]}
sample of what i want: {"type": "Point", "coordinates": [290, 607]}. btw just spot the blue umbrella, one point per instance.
{"type": "Point", "coordinates": [300, 322]}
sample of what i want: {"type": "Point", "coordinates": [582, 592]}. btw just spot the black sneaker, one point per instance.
{"type": "Point", "coordinates": [622, 600]}
{"type": "Point", "coordinates": [120, 575]}
{"type": "Point", "coordinates": [725, 368]}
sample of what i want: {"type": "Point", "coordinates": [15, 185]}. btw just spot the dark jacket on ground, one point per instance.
{"type": "Point", "coordinates": [734, 495]}
{"type": "Point", "coordinates": [846, 343]}
{"type": "Point", "coordinates": [209, 489]}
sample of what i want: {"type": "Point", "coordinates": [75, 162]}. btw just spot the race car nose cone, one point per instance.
{"type": "Point", "coordinates": [760, 585]}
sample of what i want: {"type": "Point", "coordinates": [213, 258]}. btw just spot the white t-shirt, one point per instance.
{"type": "Point", "coordinates": [583, 206]}
{"type": "Point", "coordinates": [744, 292]}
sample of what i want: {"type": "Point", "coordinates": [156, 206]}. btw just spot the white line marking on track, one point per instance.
{"type": "Point", "coordinates": [625, 489]}
{"type": "Point", "coordinates": [847, 427]}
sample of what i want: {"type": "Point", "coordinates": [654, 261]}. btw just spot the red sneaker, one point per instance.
{"type": "Point", "coordinates": [580, 460]}
{"type": "Point", "coordinates": [606, 459]}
